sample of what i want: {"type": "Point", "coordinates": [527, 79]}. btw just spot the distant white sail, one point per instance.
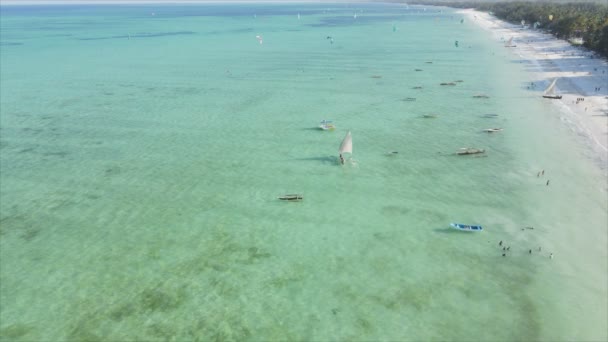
{"type": "Point", "coordinates": [550, 92]}
{"type": "Point", "coordinates": [551, 88]}
{"type": "Point", "coordinates": [509, 42]}
{"type": "Point", "coordinates": [347, 144]}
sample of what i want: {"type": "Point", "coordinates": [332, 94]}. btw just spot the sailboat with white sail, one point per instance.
{"type": "Point", "coordinates": [550, 91]}
{"type": "Point", "coordinates": [509, 43]}
{"type": "Point", "coordinates": [346, 146]}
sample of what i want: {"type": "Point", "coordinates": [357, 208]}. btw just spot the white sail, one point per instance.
{"type": "Point", "coordinates": [347, 144]}
{"type": "Point", "coordinates": [550, 89]}
{"type": "Point", "coordinates": [509, 42]}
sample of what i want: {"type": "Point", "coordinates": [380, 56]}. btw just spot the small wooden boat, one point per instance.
{"type": "Point", "coordinates": [489, 115]}
{"type": "Point", "coordinates": [447, 84]}
{"type": "Point", "coordinates": [429, 116]}
{"type": "Point", "coordinates": [417, 69]}
{"type": "Point", "coordinates": [327, 125]}
{"type": "Point", "coordinates": [554, 97]}
{"type": "Point", "coordinates": [481, 96]}
{"type": "Point", "coordinates": [492, 130]}
{"type": "Point", "coordinates": [291, 197]}
{"type": "Point", "coordinates": [466, 227]}
{"type": "Point", "coordinates": [469, 150]}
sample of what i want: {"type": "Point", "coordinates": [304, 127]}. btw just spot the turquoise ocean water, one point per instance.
{"type": "Point", "coordinates": [143, 148]}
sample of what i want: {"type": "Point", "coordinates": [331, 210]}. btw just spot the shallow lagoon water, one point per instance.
{"type": "Point", "coordinates": [143, 149]}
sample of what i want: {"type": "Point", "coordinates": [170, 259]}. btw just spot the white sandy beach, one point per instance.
{"type": "Point", "coordinates": [579, 74]}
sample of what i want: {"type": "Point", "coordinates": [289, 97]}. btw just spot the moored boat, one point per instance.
{"type": "Point", "coordinates": [466, 227]}
{"type": "Point", "coordinates": [470, 150]}
{"type": "Point", "coordinates": [346, 147]}
{"type": "Point", "coordinates": [550, 91]}
{"type": "Point", "coordinates": [291, 197]}
{"type": "Point", "coordinates": [327, 125]}
{"type": "Point", "coordinates": [492, 130]}
{"type": "Point", "coordinates": [509, 43]}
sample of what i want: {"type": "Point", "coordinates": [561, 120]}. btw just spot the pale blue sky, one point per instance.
{"type": "Point", "coordinates": [16, 2]}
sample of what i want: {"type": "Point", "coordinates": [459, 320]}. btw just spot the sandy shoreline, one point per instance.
{"type": "Point", "coordinates": [579, 76]}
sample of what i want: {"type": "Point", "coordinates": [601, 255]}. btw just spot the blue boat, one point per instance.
{"type": "Point", "coordinates": [466, 227]}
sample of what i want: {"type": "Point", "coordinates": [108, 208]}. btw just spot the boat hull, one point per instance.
{"type": "Point", "coordinates": [290, 197]}
{"type": "Point", "coordinates": [466, 227]}
{"type": "Point", "coordinates": [470, 151]}
{"type": "Point", "coordinates": [327, 125]}
{"type": "Point", "coordinates": [554, 97]}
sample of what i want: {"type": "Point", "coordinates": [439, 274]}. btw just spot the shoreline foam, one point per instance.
{"type": "Point", "coordinates": [579, 71]}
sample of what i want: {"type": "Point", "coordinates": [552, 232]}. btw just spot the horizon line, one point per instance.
{"type": "Point", "coordinates": [168, 2]}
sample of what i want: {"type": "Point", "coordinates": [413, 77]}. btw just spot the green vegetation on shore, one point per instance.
{"type": "Point", "coordinates": [588, 21]}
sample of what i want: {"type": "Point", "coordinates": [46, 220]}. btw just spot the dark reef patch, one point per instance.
{"type": "Point", "coordinates": [15, 332]}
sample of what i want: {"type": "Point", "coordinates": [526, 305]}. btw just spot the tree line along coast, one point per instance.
{"type": "Point", "coordinates": [586, 22]}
